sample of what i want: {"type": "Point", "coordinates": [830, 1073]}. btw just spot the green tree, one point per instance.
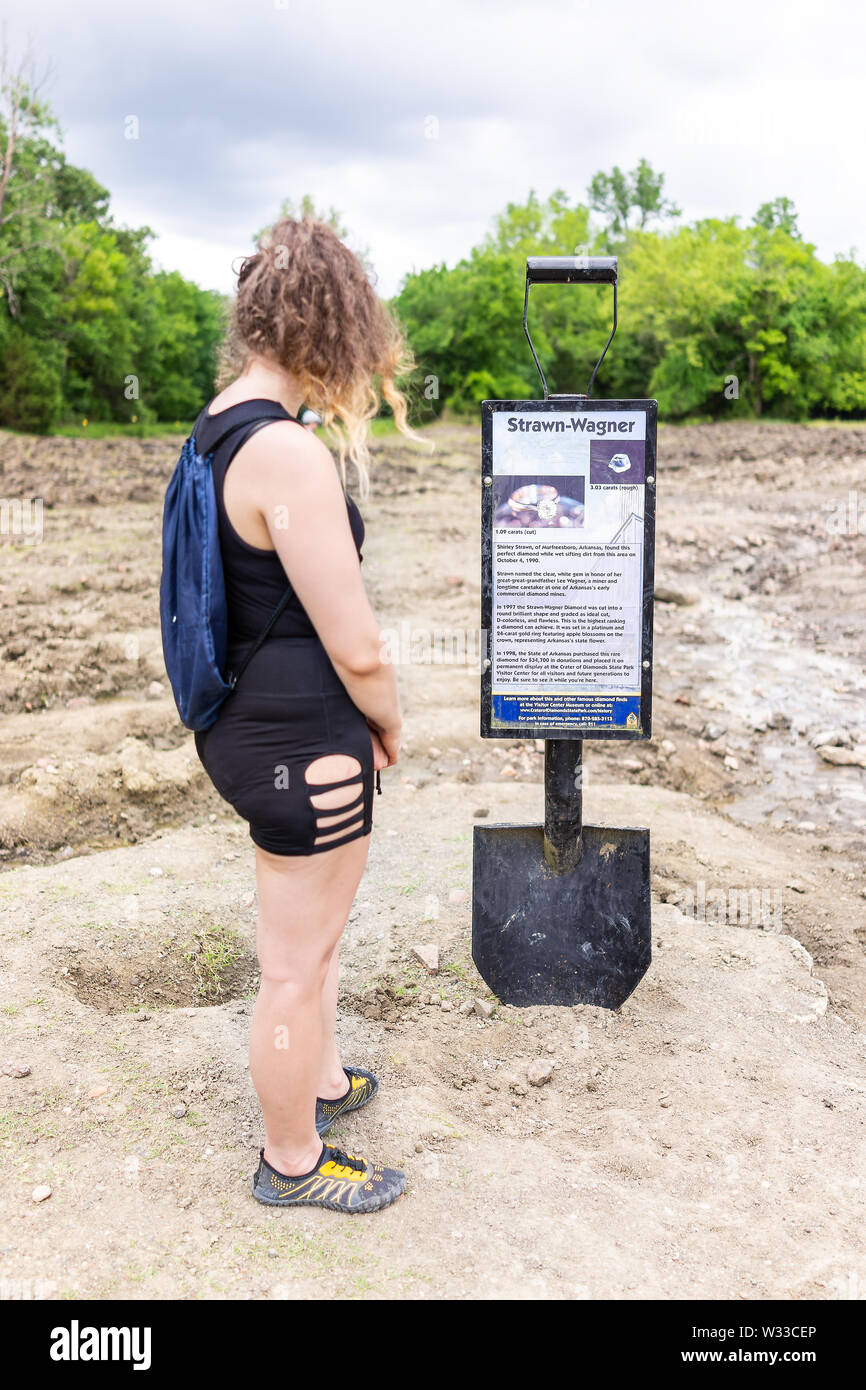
{"type": "Point", "coordinates": [617, 196]}
{"type": "Point", "coordinates": [189, 325]}
{"type": "Point", "coordinates": [31, 396]}
{"type": "Point", "coordinates": [28, 170]}
{"type": "Point", "coordinates": [780, 213]}
{"type": "Point", "coordinates": [715, 318]}
{"type": "Point", "coordinates": [465, 323]}
{"type": "Point", "coordinates": [93, 330]}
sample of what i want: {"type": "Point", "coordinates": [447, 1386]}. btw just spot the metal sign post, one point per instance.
{"type": "Point", "coordinates": [561, 912]}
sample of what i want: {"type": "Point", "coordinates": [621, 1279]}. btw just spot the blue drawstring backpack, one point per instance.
{"type": "Point", "coordinates": [192, 593]}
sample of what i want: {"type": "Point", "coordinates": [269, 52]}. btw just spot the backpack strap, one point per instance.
{"type": "Point", "coordinates": [234, 676]}
{"type": "Point", "coordinates": [210, 431]}
{"type": "Point", "coordinates": [255, 413]}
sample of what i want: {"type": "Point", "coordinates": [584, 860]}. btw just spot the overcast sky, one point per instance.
{"type": "Point", "coordinates": [244, 102]}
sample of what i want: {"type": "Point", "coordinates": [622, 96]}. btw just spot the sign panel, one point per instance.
{"type": "Point", "coordinates": [568, 518]}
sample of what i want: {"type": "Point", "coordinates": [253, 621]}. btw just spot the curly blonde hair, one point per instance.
{"type": "Point", "coordinates": [306, 302]}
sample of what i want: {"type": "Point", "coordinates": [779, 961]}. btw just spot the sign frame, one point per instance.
{"type": "Point", "coordinates": [582, 405]}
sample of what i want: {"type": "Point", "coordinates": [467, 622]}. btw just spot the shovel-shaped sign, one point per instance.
{"type": "Point", "coordinates": [561, 911]}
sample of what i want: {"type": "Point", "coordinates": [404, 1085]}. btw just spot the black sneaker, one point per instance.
{"type": "Point", "coordinates": [362, 1088]}
{"type": "Point", "coordinates": [339, 1182]}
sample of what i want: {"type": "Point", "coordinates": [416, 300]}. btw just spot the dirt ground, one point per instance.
{"type": "Point", "coordinates": [706, 1140]}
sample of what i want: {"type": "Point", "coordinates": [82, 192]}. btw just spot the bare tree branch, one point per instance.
{"type": "Point", "coordinates": [22, 114]}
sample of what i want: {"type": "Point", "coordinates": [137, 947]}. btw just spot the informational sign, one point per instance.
{"type": "Point", "coordinates": [567, 543]}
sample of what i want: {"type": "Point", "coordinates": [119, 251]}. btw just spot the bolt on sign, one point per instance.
{"type": "Point", "coordinates": [568, 516]}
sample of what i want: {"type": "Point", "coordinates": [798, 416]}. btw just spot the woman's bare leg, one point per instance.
{"type": "Point", "coordinates": [332, 1078]}
{"type": "Point", "coordinates": [304, 902]}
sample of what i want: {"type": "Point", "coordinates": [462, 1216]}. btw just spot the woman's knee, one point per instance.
{"type": "Point", "coordinates": [298, 974]}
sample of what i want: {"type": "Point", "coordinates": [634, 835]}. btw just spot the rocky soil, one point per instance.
{"type": "Point", "coordinates": [704, 1141]}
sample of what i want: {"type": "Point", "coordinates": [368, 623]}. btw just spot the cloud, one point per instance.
{"type": "Point", "coordinates": [244, 102]}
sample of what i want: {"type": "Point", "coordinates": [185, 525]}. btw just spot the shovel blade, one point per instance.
{"type": "Point", "coordinates": [578, 938]}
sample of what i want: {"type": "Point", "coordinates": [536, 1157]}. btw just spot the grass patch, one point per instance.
{"type": "Point", "coordinates": [216, 952]}
{"type": "Point", "coordinates": [111, 429]}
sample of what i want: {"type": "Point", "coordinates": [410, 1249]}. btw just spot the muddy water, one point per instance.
{"type": "Point", "coordinates": [774, 693]}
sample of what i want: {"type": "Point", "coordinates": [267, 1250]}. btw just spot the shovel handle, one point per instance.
{"type": "Point", "coordinates": [563, 803]}
{"type": "Point", "coordinates": [571, 270]}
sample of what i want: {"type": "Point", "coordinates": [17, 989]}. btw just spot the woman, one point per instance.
{"type": "Point", "coordinates": [316, 712]}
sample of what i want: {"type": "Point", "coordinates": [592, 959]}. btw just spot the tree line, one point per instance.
{"type": "Point", "coordinates": [88, 329]}
{"type": "Point", "coordinates": [716, 318]}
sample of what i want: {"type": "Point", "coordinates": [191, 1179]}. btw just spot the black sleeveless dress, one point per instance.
{"type": "Point", "coordinates": [289, 706]}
